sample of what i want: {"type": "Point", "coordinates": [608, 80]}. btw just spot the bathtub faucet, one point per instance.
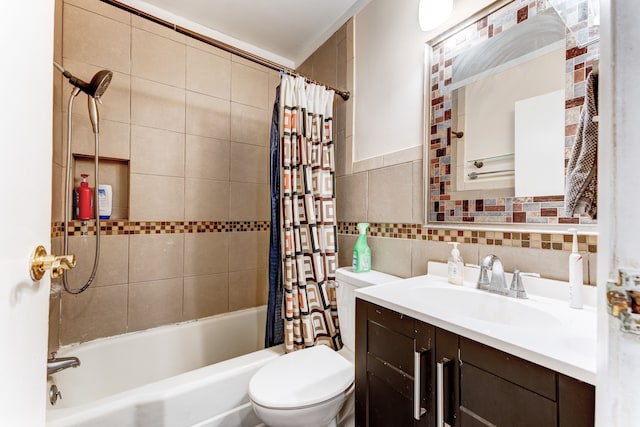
{"type": "Point", "coordinates": [57, 364]}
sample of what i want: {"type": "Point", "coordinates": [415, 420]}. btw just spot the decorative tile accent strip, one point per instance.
{"type": "Point", "coordinates": [530, 210]}
{"type": "Point", "coordinates": [123, 227]}
{"type": "Point", "coordinates": [558, 242]}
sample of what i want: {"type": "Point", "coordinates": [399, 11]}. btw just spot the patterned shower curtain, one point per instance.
{"type": "Point", "coordinates": [308, 222]}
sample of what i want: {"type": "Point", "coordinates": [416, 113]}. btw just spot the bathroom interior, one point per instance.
{"type": "Point", "coordinates": [184, 143]}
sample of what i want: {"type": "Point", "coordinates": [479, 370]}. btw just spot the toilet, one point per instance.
{"type": "Point", "coordinates": [314, 397]}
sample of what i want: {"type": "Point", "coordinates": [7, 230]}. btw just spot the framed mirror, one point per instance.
{"type": "Point", "coordinates": [503, 95]}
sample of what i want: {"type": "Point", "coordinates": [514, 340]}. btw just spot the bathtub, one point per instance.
{"type": "Point", "coordinates": [190, 374]}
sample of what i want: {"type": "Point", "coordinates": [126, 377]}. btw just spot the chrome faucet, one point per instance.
{"type": "Point", "coordinates": [516, 289]}
{"type": "Point", "coordinates": [58, 364]}
{"type": "Point", "coordinates": [497, 284]}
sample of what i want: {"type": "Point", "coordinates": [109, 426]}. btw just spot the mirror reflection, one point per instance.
{"type": "Point", "coordinates": [507, 90]}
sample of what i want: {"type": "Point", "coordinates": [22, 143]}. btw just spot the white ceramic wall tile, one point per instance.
{"type": "Point", "coordinates": [157, 151]}
{"type": "Point", "coordinates": [157, 105]}
{"type": "Point", "coordinates": [156, 198]}
{"type": "Point", "coordinates": [207, 158]}
{"type": "Point", "coordinates": [96, 39]}
{"type": "Point", "coordinates": [157, 58]}
{"type": "Point", "coordinates": [156, 257]}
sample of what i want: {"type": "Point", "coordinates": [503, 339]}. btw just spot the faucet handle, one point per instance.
{"type": "Point", "coordinates": [517, 287]}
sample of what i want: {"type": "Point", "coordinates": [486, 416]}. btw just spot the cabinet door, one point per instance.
{"type": "Point", "coordinates": [576, 402]}
{"type": "Point", "coordinates": [392, 369]}
{"type": "Point", "coordinates": [487, 399]}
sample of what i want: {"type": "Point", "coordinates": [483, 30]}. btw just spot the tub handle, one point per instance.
{"type": "Point", "coordinates": [41, 262]}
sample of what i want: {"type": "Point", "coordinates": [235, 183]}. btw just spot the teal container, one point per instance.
{"type": "Point", "coordinates": [361, 250]}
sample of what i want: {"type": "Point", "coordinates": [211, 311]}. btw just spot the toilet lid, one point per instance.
{"type": "Point", "coordinates": [302, 378]}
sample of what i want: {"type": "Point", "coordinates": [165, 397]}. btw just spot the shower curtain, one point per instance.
{"type": "Point", "coordinates": [274, 334]}
{"type": "Point", "coordinates": [307, 226]}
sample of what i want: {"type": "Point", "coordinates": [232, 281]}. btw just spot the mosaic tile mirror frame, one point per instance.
{"type": "Point", "coordinates": [442, 205]}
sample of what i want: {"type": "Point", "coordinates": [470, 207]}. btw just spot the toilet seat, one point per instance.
{"type": "Point", "coordinates": [319, 374]}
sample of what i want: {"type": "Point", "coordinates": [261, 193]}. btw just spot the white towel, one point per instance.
{"type": "Point", "coordinates": [581, 184]}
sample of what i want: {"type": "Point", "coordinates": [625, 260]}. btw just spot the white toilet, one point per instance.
{"type": "Point", "coordinates": [313, 397]}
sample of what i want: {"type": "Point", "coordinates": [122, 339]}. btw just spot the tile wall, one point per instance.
{"type": "Point", "coordinates": [391, 199]}
{"type": "Point", "coordinates": [189, 123]}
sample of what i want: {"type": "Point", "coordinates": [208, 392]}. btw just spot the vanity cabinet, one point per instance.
{"type": "Point", "coordinates": [409, 373]}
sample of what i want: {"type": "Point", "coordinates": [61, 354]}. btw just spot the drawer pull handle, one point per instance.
{"type": "Point", "coordinates": [418, 411]}
{"type": "Point", "coordinates": [440, 390]}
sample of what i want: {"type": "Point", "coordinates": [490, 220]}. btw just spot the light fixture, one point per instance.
{"type": "Point", "coordinates": [433, 13]}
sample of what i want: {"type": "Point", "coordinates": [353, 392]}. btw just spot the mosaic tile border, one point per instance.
{"type": "Point", "coordinates": [549, 241]}
{"type": "Point", "coordinates": [529, 210]}
{"type": "Point", "coordinates": [122, 227]}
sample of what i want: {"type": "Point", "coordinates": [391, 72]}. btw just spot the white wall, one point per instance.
{"type": "Point", "coordinates": [26, 85]}
{"type": "Point", "coordinates": [389, 62]}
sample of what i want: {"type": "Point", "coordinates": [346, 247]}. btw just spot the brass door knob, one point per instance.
{"type": "Point", "coordinates": [41, 262]}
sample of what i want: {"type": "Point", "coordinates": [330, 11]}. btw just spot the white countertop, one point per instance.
{"type": "Point", "coordinates": [563, 339]}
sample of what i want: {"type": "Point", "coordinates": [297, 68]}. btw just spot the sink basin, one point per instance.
{"type": "Point", "coordinates": [483, 306]}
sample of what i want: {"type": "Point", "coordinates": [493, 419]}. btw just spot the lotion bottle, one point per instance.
{"type": "Point", "coordinates": [575, 273]}
{"type": "Point", "coordinates": [361, 250]}
{"type": "Point", "coordinates": [455, 266]}
{"type": "Point", "coordinates": [105, 201]}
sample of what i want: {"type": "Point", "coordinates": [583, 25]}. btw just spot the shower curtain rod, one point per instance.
{"type": "Point", "coordinates": [221, 45]}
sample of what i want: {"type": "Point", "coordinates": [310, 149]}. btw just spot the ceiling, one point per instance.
{"type": "Point", "coordinates": [283, 31]}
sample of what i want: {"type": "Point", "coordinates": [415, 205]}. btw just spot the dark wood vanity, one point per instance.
{"type": "Point", "coordinates": [410, 373]}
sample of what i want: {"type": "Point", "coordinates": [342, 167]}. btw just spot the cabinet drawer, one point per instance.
{"type": "Point", "coordinates": [514, 369]}
{"type": "Point", "coordinates": [391, 319]}
{"type": "Point", "coordinates": [390, 346]}
{"type": "Point", "coordinates": [490, 398]}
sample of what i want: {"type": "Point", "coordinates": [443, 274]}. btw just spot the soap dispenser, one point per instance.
{"type": "Point", "coordinates": [455, 266]}
{"type": "Point", "coordinates": [575, 273]}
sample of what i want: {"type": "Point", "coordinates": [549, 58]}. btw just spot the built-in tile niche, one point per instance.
{"type": "Point", "coordinates": [113, 172]}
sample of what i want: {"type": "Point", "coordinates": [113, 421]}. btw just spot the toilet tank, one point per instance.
{"type": "Point", "coordinates": [347, 282]}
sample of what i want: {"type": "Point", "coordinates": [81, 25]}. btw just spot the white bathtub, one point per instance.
{"type": "Point", "coordinates": [191, 374]}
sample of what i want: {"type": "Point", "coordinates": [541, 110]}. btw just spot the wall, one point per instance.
{"type": "Point", "coordinates": [389, 47]}
{"type": "Point", "coordinates": [387, 191]}
{"type": "Point", "coordinates": [188, 125]}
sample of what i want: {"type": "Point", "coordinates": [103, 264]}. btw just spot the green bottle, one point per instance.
{"type": "Point", "coordinates": [361, 251]}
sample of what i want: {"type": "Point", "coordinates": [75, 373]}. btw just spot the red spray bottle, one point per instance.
{"type": "Point", "coordinates": [84, 199]}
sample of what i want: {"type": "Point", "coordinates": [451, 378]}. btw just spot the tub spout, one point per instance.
{"type": "Point", "coordinates": [57, 364]}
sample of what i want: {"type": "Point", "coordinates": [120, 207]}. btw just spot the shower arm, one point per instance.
{"type": "Point", "coordinates": [67, 191]}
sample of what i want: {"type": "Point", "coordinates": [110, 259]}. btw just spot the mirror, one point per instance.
{"type": "Point", "coordinates": [504, 91]}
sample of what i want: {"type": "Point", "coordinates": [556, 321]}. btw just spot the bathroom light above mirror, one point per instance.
{"type": "Point", "coordinates": [432, 13]}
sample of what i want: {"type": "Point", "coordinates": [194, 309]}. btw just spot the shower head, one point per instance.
{"type": "Point", "coordinates": [96, 88]}
{"type": "Point", "coordinates": [99, 82]}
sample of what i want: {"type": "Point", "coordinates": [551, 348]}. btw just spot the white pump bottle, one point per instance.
{"type": "Point", "coordinates": [575, 273]}
{"type": "Point", "coordinates": [455, 266]}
